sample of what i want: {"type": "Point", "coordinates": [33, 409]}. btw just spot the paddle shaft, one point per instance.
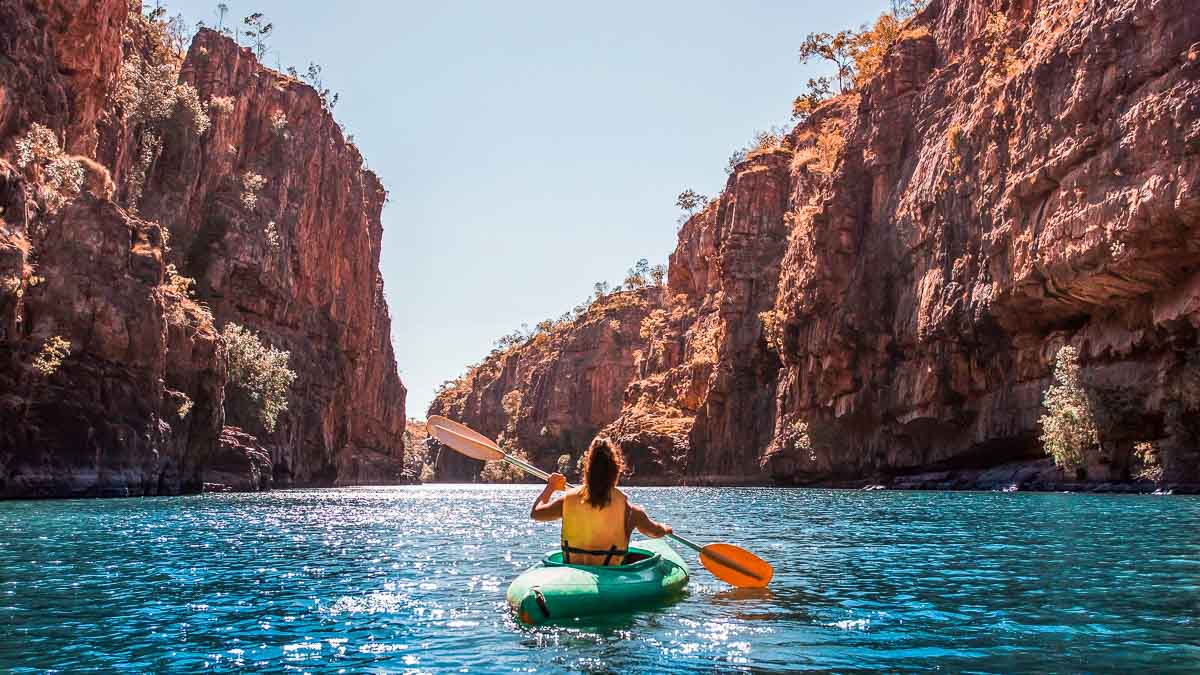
{"type": "Point", "coordinates": [529, 468]}
{"type": "Point", "coordinates": [720, 559]}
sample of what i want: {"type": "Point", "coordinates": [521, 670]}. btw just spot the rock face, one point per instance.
{"type": "Point", "coordinates": [1015, 179]}
{"type": "Point", "coordinates": [141, 403]}
{"type": "Point", "coordinates": [898, 275]}
{"type": "Point", "coordinates": [704, 390]}
{"type": "Point", "coordinates": [313, 287]}
{"type": "Point", "coordinates": [550, 395]}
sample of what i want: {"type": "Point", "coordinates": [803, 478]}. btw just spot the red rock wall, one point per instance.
{"type": "Point", "coordinates": [319, 293]}
{"type": "Point", "coordinates": [703, 397]}
{"type": "Point", "coordinates": [111, 420]}
{"type": "Point", "coordinates": [999, 196]}
{"type": "Point", "coordinates": [568, 384]}
{"type": "Point", "coordinates": [1018, 176]}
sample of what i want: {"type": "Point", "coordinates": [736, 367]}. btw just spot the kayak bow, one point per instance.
{"type": "Point", "coordinates": [553, 590]}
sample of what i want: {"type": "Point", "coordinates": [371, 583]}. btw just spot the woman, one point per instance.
{"type": "Point", "coordinates": [597, 518]}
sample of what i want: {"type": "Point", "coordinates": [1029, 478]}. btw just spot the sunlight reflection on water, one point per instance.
{"type": "Point", "coordinates": [413, 579]}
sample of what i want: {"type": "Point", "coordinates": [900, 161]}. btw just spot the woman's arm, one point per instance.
{"type": "Point", "coordinates": [642, 523]}
{"type": "Point", "coordinates": [545, 508]}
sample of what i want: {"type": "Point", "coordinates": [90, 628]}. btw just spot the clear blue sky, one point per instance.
{"type": "Point", "coordinates": [531, 149]}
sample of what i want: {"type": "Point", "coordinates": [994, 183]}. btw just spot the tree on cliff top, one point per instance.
{"type": "Point", "coordinates": [689, 200]}
{"type": "Point", "coordinates": [638, 275]}
{"type": "Point", "coordinates": [837, 48]}
{"type": "Point", "coordinates": [806, 103]}
{"type": "Point", "coordinates": [855, 55]}
{"type": "Point", "coordinates": [257, 32]}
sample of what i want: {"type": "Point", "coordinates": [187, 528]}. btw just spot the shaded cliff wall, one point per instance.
{"type": "Point", "coordinates": [107, 421]}
{"type": "Point", "coordinates": [550, 395]}
{"type": "Point", "coordinates": [139, 404]}
{"type": "Point", "coordinates": [313, 287]}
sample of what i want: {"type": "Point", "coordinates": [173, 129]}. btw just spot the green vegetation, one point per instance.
{"type": "Point", "coordinates": [816, 91]}
{"type": "Point", "coordinates": [38, 151]}
{"type": "Point", "coordinates": [279, 122]}
{"type": "Point", "coordinates": [313, 77]}
{"type": "Point", "coordinates": [855, 55]}
{"type": "Point", "coordinates": [763, 142]}
{"type": "Point", "coordinates": [795, 436]}
{"type": "Point", "coordinates": [256, 32]}
{"type": "Point", "coordinates": [954, 142]}
{"type": "Point", "coordinates": [259, 372]}
{"type": "Point", "coordinates": [689, 200]}
{"type": "Point", "coordinates": [178, 284]}
{"type": "Point", "coordinates": [499, 471]}
{"type": "Point", "coordinates": [1069, 424]}
{"type": "Point", "coordinates": [1149, 465]}
{"type": "Point", "coordinates": [272, 235]}
{"type": "Point", "coordinates": [417, 461]}
{"type": "Point", "coordinates": [837, 49]}
{"type": "Point", "coordinates": [252, 183]}
{"type": "Point", "coordinates": [220, 104]}
{"type": "Point", "coordinates": [149, 95]}
{"type": "Point", "coordinates": [640, 275]}
{"type": "Point", "coordinates": [51, 356]}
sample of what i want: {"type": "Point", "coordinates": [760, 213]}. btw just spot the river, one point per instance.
{"type": "Point", "coordinates": [412, 579]}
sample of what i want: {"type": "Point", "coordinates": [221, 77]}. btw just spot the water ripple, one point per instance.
{"type": "Point", "coordinates": [412, 580]}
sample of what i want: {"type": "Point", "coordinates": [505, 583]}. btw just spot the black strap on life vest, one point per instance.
{"type": "Point", "coordinates": [612, 551]}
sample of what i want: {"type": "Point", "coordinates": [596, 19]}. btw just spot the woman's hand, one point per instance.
{"type": "Point", "coordinates": [545, 508]}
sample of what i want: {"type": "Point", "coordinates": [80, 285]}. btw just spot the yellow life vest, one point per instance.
{"type": "Point", "coordinates": [592, 536]}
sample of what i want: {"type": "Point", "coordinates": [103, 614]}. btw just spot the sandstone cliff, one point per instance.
{"type": "Point", "coordinates": [1019, 176]}
{"type": "Point", "coordinates": [880, 297]}
{"type": "Point", "coordinates": [141, 404]}
{"type": "Point", "coordinates": [550, 395]}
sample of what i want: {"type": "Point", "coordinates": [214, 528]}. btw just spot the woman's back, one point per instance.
{"type": "Point", "coordinates": [591, 534]}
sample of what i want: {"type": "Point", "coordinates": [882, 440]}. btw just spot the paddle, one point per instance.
{"type": "Point", "coordinates": [732, 564]}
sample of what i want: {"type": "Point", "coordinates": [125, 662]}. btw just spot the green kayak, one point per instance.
{"type": "Point", "coordinates": [554, 590]}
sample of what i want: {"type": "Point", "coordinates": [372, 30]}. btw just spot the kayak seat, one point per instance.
{"type": "Point", "coordinates": [613, 553]}
{"type": "Point", "coordinates": [635, 559]}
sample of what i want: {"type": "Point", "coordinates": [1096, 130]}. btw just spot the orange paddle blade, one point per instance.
{"type": "Point", "coordinates": [736, 566]}
{"type": "Point", "coordinates": [463, 439]}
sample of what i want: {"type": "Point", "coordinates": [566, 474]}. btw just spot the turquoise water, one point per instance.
{"type": "Point", "coordinates": [413, 579]}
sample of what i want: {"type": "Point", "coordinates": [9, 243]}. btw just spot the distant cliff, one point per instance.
{"type": "Point", "coordinates": [204, 166]}
{"type": "Point", "coordinates": [879, 296]}
{"type": "Point", "coordinates": [551, 393]}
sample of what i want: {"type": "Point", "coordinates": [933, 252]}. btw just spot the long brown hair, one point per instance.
{"type": "Point", "coordinates": [602, 464]}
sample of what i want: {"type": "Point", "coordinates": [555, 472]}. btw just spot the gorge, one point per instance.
{"type": "Point", "coordinates": [191, 295]}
